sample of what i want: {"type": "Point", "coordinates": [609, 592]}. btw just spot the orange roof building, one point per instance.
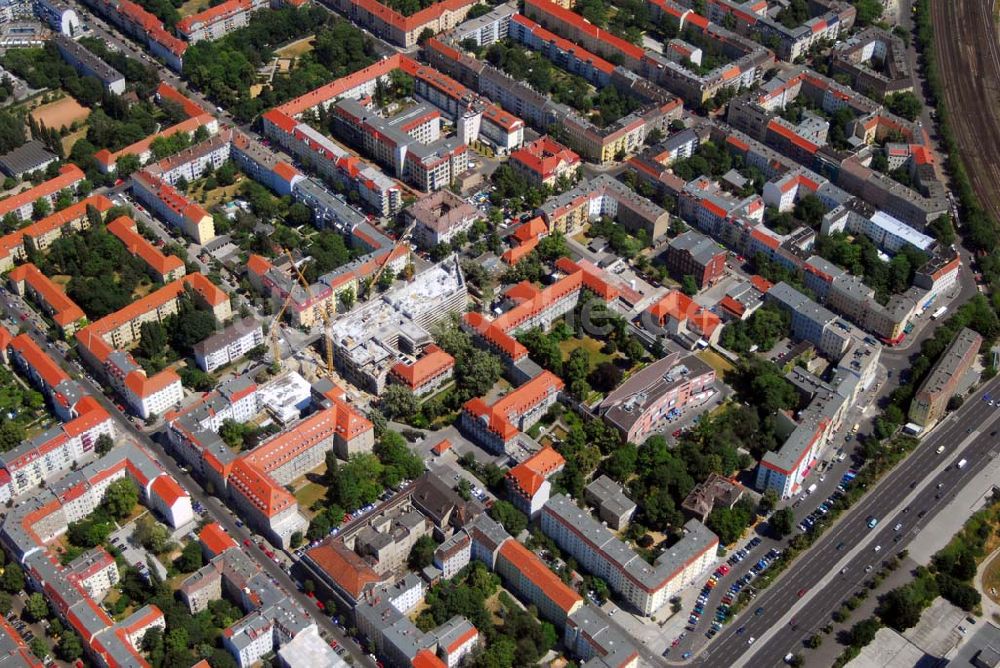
{"type": "Point", "coordinates": [21, 204]}
{"type": "Point", "coordinates": [404, 30]}
{"type": "Point", "coordinates": [536, 308]}
{"type": "Point", "coordinates": [163, 268]}
{"type": "Point", "coordinates": [528, 482]}
{"type": "Point", "coordinates": [215, 540]}
{"type": "Point", "coordinates": [432, 370]}
{"type": "Point", "coordinates": [215, 22]}
{"type": "Point", "coordinates": [258, 478]}
{"type": "Point", "coordinates": [27, 279]}
{"type": "Point", "coordinates": [101, 343]}
{"type": "Point", "coordinates": [40, 235]}
{"type": "Point", "coordinates": [527, 575]}
{"type": "Point", "coordinates": [544, 161]}
{"type": "Point", "coordinates": [681, 317]}
{"type": "Point", "coordinates": [497, 426]}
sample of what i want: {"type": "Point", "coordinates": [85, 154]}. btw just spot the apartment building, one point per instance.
{"type": "Point", "coordinates": [194, 161]}
{"type": "Point", "coordinates": [257, 478]}
{"type": "Point", "coordinates": [810, 321]}
{"type": "Point", "coordinates": [604, 196]}
{"type": "Point", "coordinates": [273, 620]}
{"type": "Point", "coordinates": [694, 254]}
{"type": "Point", "coordinates": [453, 555]}
{"type": "Point", "coordinates": [89, 65]}
{"type": "Point", "coordinates": [644, 586]}
{"type": "Point", "coordinates": [218, 21]}
{"type": "Point", "coordinates": [21, 204]}
{"type": "Point", "coordinates": [27, 280]}
{"type": "Point", "coordinates": [888, 233]}
{"type": "Point", "coordinates": [402, 30]}
{"type": "Point", "coordinates": [876, 62]}
{"type": "Point", "coordinates": [142, 149]}
{"type": "Point", "coordinates": [439, 216]}
{"type": "Point", "coordinates": [95, 571]}
{"type": "Point", "coordinates": [528, 486]}
{"type": "Point", "coordinates": [676, 315]}
{"type": "Point", "coordinates": [531, 307]}
{"type": "Point", "coordinates": [661, 391]}
{"type": "Point", "coordinates": [139, 23]}
{"type": "Point", "coordinates": [496, 426]}
{"type": "Point", "coordinates": [544, 161]}
{"type": "Point", "coordinates": [429, 372]}
{"type": "Point", "coordinates": [30, 527]}
{"type": "Point", "coordinates": [55, 450]}
{"type": "Point", "coordinates": [60, 17]}
{"type": "Point", "coordinates": [162, 268]}
{"type": "Point", "coordinates": [931, 400]}
{"type": "Point", "coordinates": [488, 28]}
{"type": "Point", "coordinates": [174, 207]}
{"type": "Point", "coordinates": [229, 345]}
{"type": "Point", "coordinates": [101, 344]}
{"type": "Point", "coordinates": [613, 507]}
{"type": "Point", "coordinates": [531, 579]}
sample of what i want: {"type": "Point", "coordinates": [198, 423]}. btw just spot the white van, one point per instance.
{"type": "Point", "coordinates": [961, 463]}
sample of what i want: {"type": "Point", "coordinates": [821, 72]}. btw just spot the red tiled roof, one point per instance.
{"type": "Point", "coordinates": [433, 362]}
{"type": "Point", "coordinates": [471, 632]}
{"type": "Point", "coordinates": [544, 157]}
{"type": "Point", "coordinates": [64, 310]}
{"type": "Point", "coordinates": [532, 229]}
{"type": "Point", "coordinates": [46, 368]}
{"type": "Point", "coordinates": [215, 539]}
{"type": "Point", "coordinates": [500, 416]}
{"type": "Point", "coordinates": [732, 306]}
{"type": "Point", "coordinates": [442, 447]}
{"type": "Point", "coordinates": [212, 15]}
{"type": "Point", "coordinates": [675, 305]}
{"type": "Point", "coordinates": [528, 476]}
{"type": "Point", "coordinates": [547, 582]}
{"type": "Point", "coordinates": [125, 229]}
{"type": "Point", "coordinates": [761, 283]}
{"type": "Point", "coordinates": [69, 176]}
{"type": "Point", "coordinates": [791, 136]}
{"type": "Point", "coordinates": [585, 27]}
{"type": "Point", "coordinates": [191, 108]}
{"type": "Point", "coordinates": [427, 659]}
{"type": "Point", "coordinates": [514, 255]}
{"type": "Point", "coordinates": [168, 490]}
{"type": "Point", "coordinates": [349, 571]}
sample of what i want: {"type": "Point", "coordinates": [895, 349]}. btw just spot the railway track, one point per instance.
{"type": "Point", "coordinates": [965, 40]}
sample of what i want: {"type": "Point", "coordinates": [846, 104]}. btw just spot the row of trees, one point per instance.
{"type": "Point", "coordinates": [361, 479]}
{"type": "Point", "coordinates": [225, 69]}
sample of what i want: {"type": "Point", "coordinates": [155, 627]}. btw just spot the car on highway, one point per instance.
{"type": "Point", "coordinates": [802, 592]}
{"type": "Point", "coordinates": [899, 525]}
{"type": "Point", "coordinates": [872, 522]}
{"type": "Point", "coordinates": [878, 548]}
{"type": "Point", "coordinates": [758, 612]}
{"type": "Point", "coordinates": [751, 641]}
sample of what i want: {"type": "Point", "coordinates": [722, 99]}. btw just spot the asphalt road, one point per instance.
{"type": "Point", "coordinates": [217, 509]}
{"type": "Point", "coordinates": [890, 502]}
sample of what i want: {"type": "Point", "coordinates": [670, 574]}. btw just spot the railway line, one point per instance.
{"type": "Point", "coordinates": [966, 44]}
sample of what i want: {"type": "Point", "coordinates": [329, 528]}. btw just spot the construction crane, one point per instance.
{"type": "Point", "coordinates": [378, 272]}
{"type": "Point", "coordinates": [275, 326]}
{"type": "Point", "coordinates": [324, 314]}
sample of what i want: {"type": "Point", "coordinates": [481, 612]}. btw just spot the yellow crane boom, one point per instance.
{"type": "Point", "coordinates": [323, 312]}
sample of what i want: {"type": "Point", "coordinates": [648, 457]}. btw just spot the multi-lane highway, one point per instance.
{"type": "Point", "coordinates": [835, 566]}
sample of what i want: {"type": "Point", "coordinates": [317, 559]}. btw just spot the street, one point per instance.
{"type": "Point", "coordinates": [217, 509]}
{"type": "Point", "coordinates": [908, 491]}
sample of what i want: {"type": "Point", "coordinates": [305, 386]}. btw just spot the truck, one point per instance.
{"type": "Point", "coordinates": [812, 488]}
{"type": "Point", "coordinates": [938, 313]}
{"type": "Point", "coordinates": [961, 463]}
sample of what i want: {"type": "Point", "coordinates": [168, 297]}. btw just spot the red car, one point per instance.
{"type": "Point", "coordinates": [677, 433]}
{"type": "Point", "coordinates": [246, 541]}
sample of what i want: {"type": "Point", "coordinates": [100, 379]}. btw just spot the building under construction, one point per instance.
{"type": "Point", "coordinates": [371, 339]}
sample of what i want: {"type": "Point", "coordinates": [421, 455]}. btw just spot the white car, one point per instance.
{"type": "Point", "coordinates": [878, 548]}
{"type": "Point", "coordinates": [751, 641]}
{"type": "Point", "coordinates": [899, 525]}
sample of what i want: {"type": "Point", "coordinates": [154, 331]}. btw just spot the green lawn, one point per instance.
{"type": "Point", "coordinates": [716, 361]}
{"type": "Point", "coordinates": [591, 345]}
{"type": "Point", "coordinates": [309, 494]}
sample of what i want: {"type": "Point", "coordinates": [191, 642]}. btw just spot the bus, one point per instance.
{"type": "Point", "coordinates": [938, 313]}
